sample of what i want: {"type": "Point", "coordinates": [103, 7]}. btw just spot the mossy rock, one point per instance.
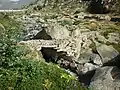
{"type": "Point", "coordinates": [115, 45]}
{"type": "Point", "coordinates": [109, 28]}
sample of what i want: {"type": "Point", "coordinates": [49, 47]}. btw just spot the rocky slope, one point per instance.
{"type": "Point", "coordinates": [85, 44]}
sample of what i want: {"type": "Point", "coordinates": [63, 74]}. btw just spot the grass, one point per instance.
{"type": "Point", "coordinates": [112, 27]}
{"type": "Point", "coordinates": [13, 28]}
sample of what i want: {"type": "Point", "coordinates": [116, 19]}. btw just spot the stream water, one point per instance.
{"type": "Point", "coordinates": [14, 4]}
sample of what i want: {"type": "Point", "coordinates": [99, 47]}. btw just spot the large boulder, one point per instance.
{"type": "Point", "coordinates": [107, 53]}
{"type": "Point", "coordinates": [96, 59]}
{"type": "Point", "coordinates": [57, 31]}
{"type": "Point", "coordinates": [85, 56]}
{"type": "Point", "coordinates": [89, 56]}
{"type": "Point", "coordinates": [88, 67]}
{"type": "Point", "coordinates": [106, 78]}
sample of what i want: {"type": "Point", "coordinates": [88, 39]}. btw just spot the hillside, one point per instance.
{"type": "Point", "coordinates": [59, 44]}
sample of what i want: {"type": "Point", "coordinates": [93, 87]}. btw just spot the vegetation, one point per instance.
{"type": "Point", "coordinates": [116, 7]}
{"type": "Point", "coordinates": [18, 72]}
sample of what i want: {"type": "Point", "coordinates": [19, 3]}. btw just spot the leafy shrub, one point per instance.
{"type": "Point", "coordinates": [33, 75]}
{"type": "Point", "coordinates": [9, 53]}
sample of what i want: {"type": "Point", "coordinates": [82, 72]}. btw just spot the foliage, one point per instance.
{"type": "Point", "coordinates": [116, 7]}
{"type": "Point", "coordinates": [67, 77]}
{"type": "Point", "coordinates": [32, 75]}
{"type": "Point", "coordinates": [12, 28]}
{"type": "Point", "coordinates": [47, 84]}
{"type": "Point", "coordinates": [8, 50]}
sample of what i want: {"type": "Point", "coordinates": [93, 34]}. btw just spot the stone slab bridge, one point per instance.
{"type": "Point", "coordinates": [71, 47]}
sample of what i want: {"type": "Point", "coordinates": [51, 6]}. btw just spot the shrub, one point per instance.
{"type": "Point", "coordinates": [33, 75]}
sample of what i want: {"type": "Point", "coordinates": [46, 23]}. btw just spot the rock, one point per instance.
{"type": "Point", "coordinates": [96, 59]}
{"type": "Point", "coordinates": [93, 26]}
{"type": "Point", "coordinates": [106, 78]}
{"type": "Point", "coordinates": [107, 53]}
{"type": "Point", "coordinates": [57, 31]}
{"type": "Point", "coordinates": [81, 15]}
{"type": "Point", "coordinates": [89, 35]}
{"type": "Point", "coordinates": [76, 33]}
{"type": "Point", "coordinates": [107, 18]}
{"type": "Point", "coordinates": [79, 69]}
{"type": "Point", "coordinates": [37, 33]}
{"type": "Point", "coordinates": [32, 26]}
{"type": "Point", "coordinates": [73, 66]}
{"type": "Point", "coordinates": [31, 34]}
{"type": "Point", "coordinates": [85, 56]}
{"type": "Point", "coordinates": [114, 37]}
{"type": "Point", "coordinates": [88, 67]}
{"type": "Point", "coordinates": [64, 63]}
{"type": "Point", "coordinates": [115, 73]}
{"type": "Point", "coordinates": [86, 43]}
{"type": "Point", "coordinates": [66, 21]}
{"type": "Point", "coordinates": [101, 38]}
{"type": "Point", "coordinates": [72, 47]}
{"type": "Point", "coordinates": [32, 15]}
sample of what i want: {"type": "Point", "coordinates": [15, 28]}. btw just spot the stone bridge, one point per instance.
{"type": "Point", "coordinates": [69, 46]}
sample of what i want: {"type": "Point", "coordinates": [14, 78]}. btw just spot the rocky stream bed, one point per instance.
{"type": "Point", "coordinates": [88, 50]}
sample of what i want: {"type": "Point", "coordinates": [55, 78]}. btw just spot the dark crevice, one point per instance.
{"type": "Point", "coordinates": [115, 73]}
{"type": "Point", "coordinates": [97, 7]}
{"type": "Point", "coordinates": [86, 78]}
{"type": "Point", "coordinates": [49, 54]}
{"type": "Point", "coordinates": [43, 35]}
{"type": "Point", "coordinates": [114, 62]}
{"type": "Point", "coordinates": [115, 19]}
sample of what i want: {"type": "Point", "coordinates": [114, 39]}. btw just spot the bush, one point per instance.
{"type": "Point", "coordinates": [9, 53]}
{"type": "Point", "coordinates": [37, 76]}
